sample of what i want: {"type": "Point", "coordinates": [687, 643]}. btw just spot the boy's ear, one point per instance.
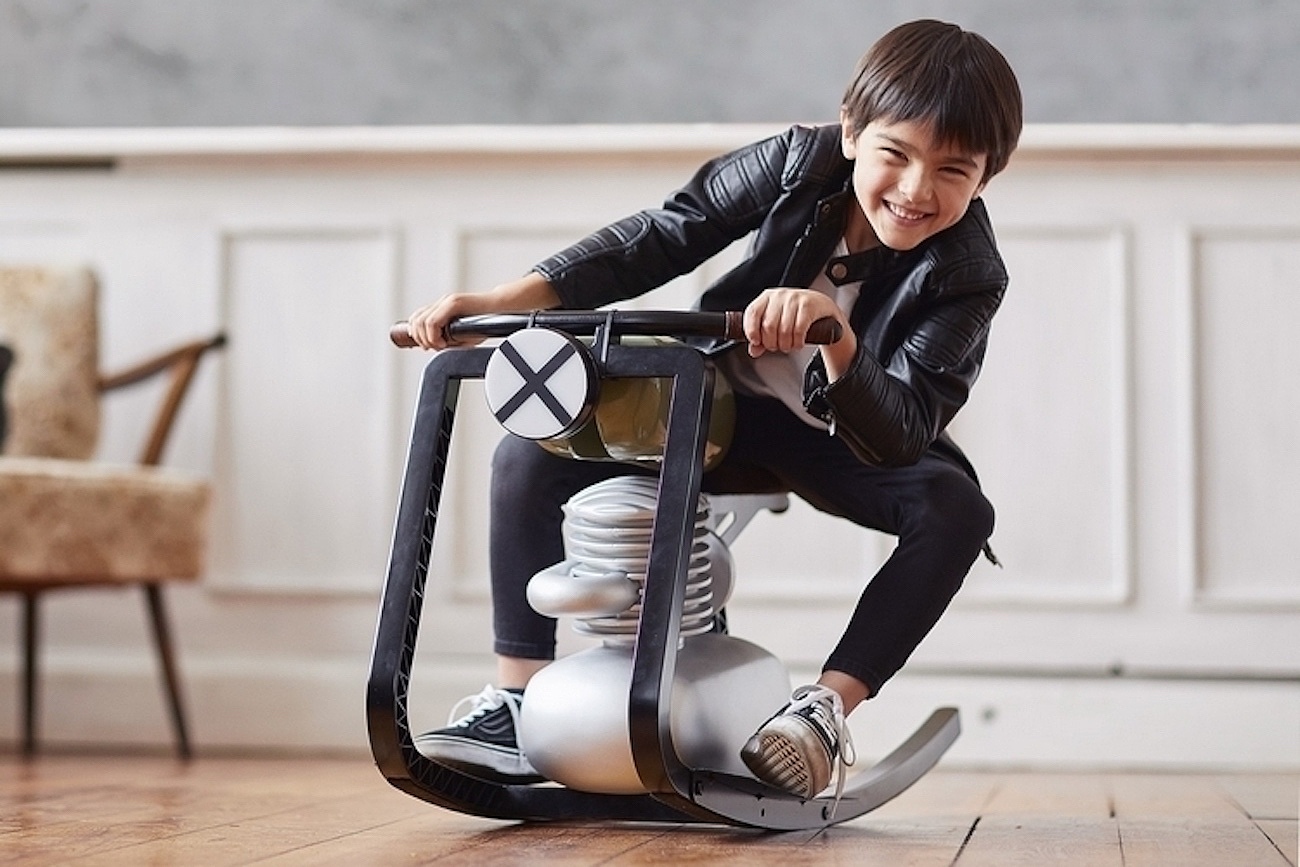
{"type": "Point", "coordinates": [848, 141]}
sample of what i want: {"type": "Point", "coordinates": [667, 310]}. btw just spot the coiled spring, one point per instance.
{"type": "Point", "coordinates": [607, 529]}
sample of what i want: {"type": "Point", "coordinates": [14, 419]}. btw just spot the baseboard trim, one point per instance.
{"type": "Point", "coordinates": [317, 706]}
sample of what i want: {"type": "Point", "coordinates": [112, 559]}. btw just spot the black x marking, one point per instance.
{"type": "Point", "coordinates": [535, 383]}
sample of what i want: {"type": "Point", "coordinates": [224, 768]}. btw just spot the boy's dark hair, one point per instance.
{"type": "Point", "coordinates": [937, 73]}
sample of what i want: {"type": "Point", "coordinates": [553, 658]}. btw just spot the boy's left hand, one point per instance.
{"type": "Point", "coordinates": [778, 319]}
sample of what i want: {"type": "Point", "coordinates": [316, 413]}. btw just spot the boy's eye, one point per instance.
{"type": "Point", "coordinates": [893, 153]}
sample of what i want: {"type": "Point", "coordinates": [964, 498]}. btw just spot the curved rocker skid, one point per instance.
{"type": "Point", "coordinates": [743, 801]}
{"type": "Point", "coordinates": [719, 798]}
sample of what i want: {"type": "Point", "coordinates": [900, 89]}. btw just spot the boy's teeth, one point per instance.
{"type": "Point", "coordinates": [904, 213]}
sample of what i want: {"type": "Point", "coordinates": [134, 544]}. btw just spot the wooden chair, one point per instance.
{"type": "Point", "coordinates": [67, 521]}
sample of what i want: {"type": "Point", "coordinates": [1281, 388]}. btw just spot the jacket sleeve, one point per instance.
{"type": "Point", "coordinates": [726, 199]}
{"type": "Point", "coordinates": [889, 411]}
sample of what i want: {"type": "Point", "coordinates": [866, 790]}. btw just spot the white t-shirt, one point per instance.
{"type": "Point", "coordinates": [780, 374]}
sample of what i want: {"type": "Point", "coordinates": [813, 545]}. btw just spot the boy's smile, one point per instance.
{"type": "Point", "coordinates": [908, 186]}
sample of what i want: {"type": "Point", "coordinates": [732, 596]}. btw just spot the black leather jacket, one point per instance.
{"type": "Point", "coordinates": [922, 318]}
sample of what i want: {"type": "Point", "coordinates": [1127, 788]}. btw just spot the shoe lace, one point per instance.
{"type": "Point", "coordinates": [815, 698]}
{"type": "Point", "coordinates": [484, 703]}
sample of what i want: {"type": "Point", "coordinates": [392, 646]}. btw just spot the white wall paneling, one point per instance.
{"type": "Point", "coordinates": [1132, 427]}
{"type": "Point", "coordinates": [1242, 477]}
{"type": "Point", "coordinates": [306, 467]}
{"type": "Point", "coordinates": [1057, 380]}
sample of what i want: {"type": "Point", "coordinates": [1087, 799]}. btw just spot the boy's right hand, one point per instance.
{"type": "Point", "coordinates": [428, 324]}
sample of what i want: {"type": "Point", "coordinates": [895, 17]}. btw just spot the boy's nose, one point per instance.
{"type": "Point", "coordinates": [915, 184]}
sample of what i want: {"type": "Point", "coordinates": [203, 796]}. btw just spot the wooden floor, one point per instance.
{"type": "Point", "coordinates": [130, 810]}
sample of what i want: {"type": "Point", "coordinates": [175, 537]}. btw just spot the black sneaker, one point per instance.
{"type": "Point", "coordinates": [484, 743]}
{"type": "Point", "coordinates": [803, 745]}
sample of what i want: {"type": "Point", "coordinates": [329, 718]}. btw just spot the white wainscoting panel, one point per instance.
{"type": "Point", "coordinates": [305, 464]}
{"type": "Point", "coordinates": [1244, 478]}
{"type": "Point", "coordinates": [1056, 382]}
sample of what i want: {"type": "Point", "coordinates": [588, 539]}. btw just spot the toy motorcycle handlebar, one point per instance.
{"type": "Point", "coordinates": [664, 323]}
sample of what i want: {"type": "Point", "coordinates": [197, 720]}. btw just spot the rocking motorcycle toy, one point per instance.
{"type": "Point", "coordinates": [632, 728]}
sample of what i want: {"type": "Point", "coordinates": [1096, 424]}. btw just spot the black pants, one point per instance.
{"type": "Point", "coordinates": [936, 510]}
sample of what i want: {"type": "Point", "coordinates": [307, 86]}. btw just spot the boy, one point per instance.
{"type": "Point", "coordinates": [874, 221]}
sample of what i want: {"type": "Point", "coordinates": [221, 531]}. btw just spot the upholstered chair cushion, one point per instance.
{"type": "Point", "coordinates": [66, 522]}
{"type": "Point", "coordinates": [48, 320]}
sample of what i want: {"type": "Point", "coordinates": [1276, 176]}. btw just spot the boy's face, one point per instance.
{"type": "Point", "coordinates": [908, 186]}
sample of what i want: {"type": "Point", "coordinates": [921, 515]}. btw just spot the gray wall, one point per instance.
{"type": "Point", "coordinates": [222, 62]}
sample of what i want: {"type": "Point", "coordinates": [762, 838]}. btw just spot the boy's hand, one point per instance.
{"type": "Point", "coordinates": [428, 324]}
{"type": "Point", "coordinates": [778, 320]}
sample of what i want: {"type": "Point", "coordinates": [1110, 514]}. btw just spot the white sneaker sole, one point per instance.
{"type": "Point", "coordinates": [788, 754]}
{"type": "Point", "coordinates": [478, 759]}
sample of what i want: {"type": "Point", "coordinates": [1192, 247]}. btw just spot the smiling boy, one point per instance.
{"type": "Point", "coordinates": [875, 221]}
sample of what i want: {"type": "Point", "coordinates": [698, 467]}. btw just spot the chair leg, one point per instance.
{"type": "Point", "coordinates": [31, 639]}
{"type": "Point", "coordinates": [167, 659]}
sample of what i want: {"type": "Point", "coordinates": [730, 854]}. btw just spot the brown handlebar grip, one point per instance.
{"type": "Point", "coordinates": [401, 335]}
{"type": "Point", "coordinates": [734, 329]}
{"type": "Point", "coordinates": [824, 331]}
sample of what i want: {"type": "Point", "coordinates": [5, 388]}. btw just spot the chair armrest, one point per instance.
{"type": "Point", "coordinates": [183, 362]}
{"type": "Point", "coordinates": [153, 366]}
{"type": "Point", "coordinates": [6, 359]}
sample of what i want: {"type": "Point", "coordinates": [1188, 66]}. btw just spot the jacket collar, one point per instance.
{"type": "Point", "coordinates": [860, 266]}
{"type": "Point", "coordinates": [818, 243]}
{"type": "Point", "coordinates": [819, 239]}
